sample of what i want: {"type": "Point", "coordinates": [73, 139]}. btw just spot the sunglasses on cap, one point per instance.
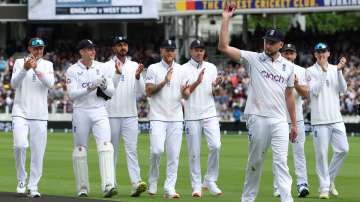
{"type": "Point", "coordinates": [37, 42]}
{"type": "Point", "coordinates": [321, 48]}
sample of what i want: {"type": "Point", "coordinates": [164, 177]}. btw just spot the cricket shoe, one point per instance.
{"type": "Point", "coordinates": [333, 190]}
{"type": "Point", "coordinates": [212, 188]}
{"type": "Point", "coordinates": [139, 188]}
{"type": "Point", "coordinates": [324, 195]}
{"type": "Point", "coordinates": [196, 194]}
{"type": "Point", "coordinates": [303, 190]}
{"type": "Point", "coordinates": [21, 188]}
{"type": "Point", "coordinates": [33, 193]}
{"type": "Point", "coordinates": [152, 189]}
{"type": "Point", "coordinates": [171, 195]}
{"type": "Point", "coordinates": [276, 193]}
{"type": "Point", "coordinates": [109, 191]}
{"type": "Point", "coordinates": [83, 192]}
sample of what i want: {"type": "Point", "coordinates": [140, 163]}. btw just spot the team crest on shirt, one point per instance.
{"type": "Point", "coordinates": [80, 73]}
{"type": "Point", "coordinates": [68, 80]}
{"type": "Point", "coordinates": [327, 82]}
{"type": "Point", "coordinates": [187, 131]}
{"type": "Point", "coordinates": [34, 77]}
{"type": "Point", "coordinates": [284, 67]}
{"type": "Point", "coordinates": [97, 71]}
{"type": "Point", "coordinates": [122, 77]}
{"type": "Point", "coordinates": [315, 133]}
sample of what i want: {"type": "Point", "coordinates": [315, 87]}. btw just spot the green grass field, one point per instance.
{"type": "Point", "coordinates": [58, 175]}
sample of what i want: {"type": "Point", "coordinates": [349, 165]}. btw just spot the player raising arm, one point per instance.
{"type": "Point", "coordinates": [270, 97]}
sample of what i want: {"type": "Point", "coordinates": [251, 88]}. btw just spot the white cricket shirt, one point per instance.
{"type": "Point", "coordinates": [165, 105]}
{"type": "Point", "coordinates": [78, 79]}
{"type": "Point", "coordinates": [200, 104]}
{"type": "Point", "coordinates": [325, 89]}
{"type": "Point", "coordinates": [268, 81]}
{"type": "Point", "coordinates": [31, 89]}
{"type": "Point", "coordinates": [127, 89]}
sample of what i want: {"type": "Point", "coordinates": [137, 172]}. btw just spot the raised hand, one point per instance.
{"type": "Point", "coordinates": [229, 9]}
{"type": "Point", "coordinates": [169, 75]}
{"type": "Point", "coordinates": [342, 63]}
{"type": "Point", "coordinates": [118, 66]}
{"type": "Point", "coordinates": [138, 71]}
{"type": "Point", "coordinates": [201, 76]}
{"type": "Point", "coordinates": [29, 62]}
{"type": "Point", "coordinates": [218, 81]}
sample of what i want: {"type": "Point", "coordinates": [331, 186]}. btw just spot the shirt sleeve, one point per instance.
{"type": "Point", "coordinates": [247, 57]}
{"type": "Point", "coordinates": [315, 84]}
{"type": "Point", "coordinates": [47, 77]}
{"type": "Point", "coordinates": [150, 76]}
{"type": "Point", "coordinates": [302, 77]}
{"type": "Point", "coordinates": [18, 74]}
{"type": "Point", "coordinates": [74, 92]}
{"type": "Point", "coordinates": [342, 86]}
{"type": "Point", "coordinates": [291, 79]}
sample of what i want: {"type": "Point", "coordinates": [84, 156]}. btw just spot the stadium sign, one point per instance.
{"type": "Point", "coordinates": [91, 9]}
{"type": "Point", "coordinates": [186, 7]}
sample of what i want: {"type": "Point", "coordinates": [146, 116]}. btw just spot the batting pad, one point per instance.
{"type": "Point", "coordinates": [106, 163]}
{"type": "Point", "coordinates": [81, 168]}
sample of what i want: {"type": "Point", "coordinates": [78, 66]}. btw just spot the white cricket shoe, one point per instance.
{"type": "Point", "coordinates": [276, 193]}
{"type": "Point", "coordinates": [171, 195]}
{"type": "Point", "coordinates": [21, 188]}
{"type": "Point", "coordinates": [212, 188]}
{"type": "Point", "coordinates": [34, 193]}
{"type": "Point", "coordinates": [152, 189]}
{"type": "Point", "coordinates": [110, 191]}
{"type": "Point", "coordinates": [324, 195]}
{"type": "Point", "coordinates": [138, 189]}
{"type": "Point", "coordinates": [83, 192]}
{"type": "Point", "coordinates": [333, 190]}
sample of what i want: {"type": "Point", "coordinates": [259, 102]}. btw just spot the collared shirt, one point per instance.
{"type": "Point", "coordinates": [165, 105]}
{"type": "Point", "coordinates": [300, 74]}
{"type": "Point", "coordinates": [268, 81]}
{"type": "Point", "coordinates": [31, 89]}
{"type": "Point", "coordinates": [127, 89]}
{"type": "Point", "coordinates": [200, 104]}
{"type": "Point", "coordinates": [325, 88]}
{"type": "Point", "coordinates": [79, 78]}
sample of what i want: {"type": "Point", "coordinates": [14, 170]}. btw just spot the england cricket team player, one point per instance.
{"type": "Point", "coordinates": [129, 84]}
{"type": "Point", "coordinates": [326, 82]}
{"type": "Point", "coordinates": [301, 91]}
{"type": "Point", "coordinates": [31, 78]}
{"type": "Point", "coordinates": [200, 116]}
{"type": "Point", "coordinates": [85, 79]}
{"type": "Point", "coordinates": [164, 82]}
{"type": "Point", "coordinates": [270, 98]}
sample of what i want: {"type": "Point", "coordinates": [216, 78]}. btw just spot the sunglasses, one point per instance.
{"type": "Point", "coordinates": [37, 42]}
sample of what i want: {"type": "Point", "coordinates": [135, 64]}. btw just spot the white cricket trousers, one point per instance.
{"type": "Point", "coordinates": [38, 138]}
{"type": "Point", "coordinates": [128, 129]}
{"type": "Point", "coordinates": [166, 135]}
{"type": "Point", "coordinates": [323, 135]}
{"type": "Point", "coordinates": [86, 120]}
{"type": "Point", "coordinates": [299, 156]}
{"type": "Point", "coordinates": [194, 131]}
{"type": "Point", "coordinates": [263, 132]}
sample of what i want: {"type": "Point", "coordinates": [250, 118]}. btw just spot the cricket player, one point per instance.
{"type": "Point", "coordinates": [200, 116]}
{"type": "Point", "coordinates": [31, 79]}
{"type": "Point", "coordinates": [301, 91]}
{"type": "Point", "coordinates": [129, 84]}
{"type": "Point", "coordinates": [89, 88]}
{"type": "Point", "coordinates": [326, 82]}
{"type": "Point", "coordinates": [165, 87]}
{"type": "Point", "coordinates": [270, 98]}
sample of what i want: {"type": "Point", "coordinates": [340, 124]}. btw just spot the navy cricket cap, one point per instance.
{"type": "Point", "coordinates": [119, 39]}
{"type": "Point", "coordinates": [197, 44]}
{"type": "Point", "coordinates": [36, 42]}
{"type": "Point", "coordinates": [321, 47]}
{"type": "Point", "coordinates": [274, 35]}
{"type": "Point", "coordinates": [289, 47]}
{"type": "Point", "coordinates": [85, 43]}
{"type": "Point", "coordinates": [168, 44]}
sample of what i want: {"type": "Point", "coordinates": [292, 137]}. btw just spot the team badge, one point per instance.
{"type": "Point", "coordinates": [327, 82]}
{"type": "Point", "coordinates": [97, 72]}
{"type": "Point", "coordinates": [284, 67]}
{"type": "Point", "coordinates": [122, 77]}
{"type": "Point", "coordinates": [80, 73]}
{"type": "Point", "coordinates": [68, 80]}
{"type": "Point", "coordinates": [34, 77]}
{"type": "Point", "coordinates": [315, 133]}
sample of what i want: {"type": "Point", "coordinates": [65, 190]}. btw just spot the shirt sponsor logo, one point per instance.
{"type": "Point", "coordinates": [87, 84]}
{"type": "Point", "coordinates": [273, 77]}
{"type": "Point", "coordinates": [80, 73]}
